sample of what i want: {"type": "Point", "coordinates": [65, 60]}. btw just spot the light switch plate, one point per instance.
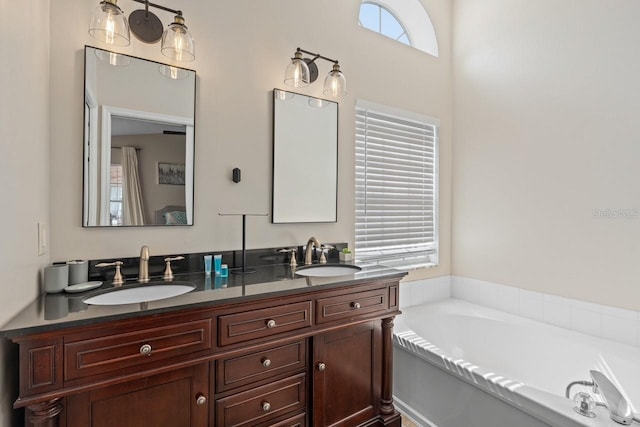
{"type": "Point", "coordinates": [42, 238]}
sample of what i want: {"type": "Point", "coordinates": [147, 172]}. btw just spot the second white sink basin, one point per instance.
{"type": "Point", "coordinates": [139, 293]}
{"type": "Point", "coordinates": [327, 270]}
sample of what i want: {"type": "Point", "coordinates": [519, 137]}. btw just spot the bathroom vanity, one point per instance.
{"type": "Point", "coordinates": [312, 351]}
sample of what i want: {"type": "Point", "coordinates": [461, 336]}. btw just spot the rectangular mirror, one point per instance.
{"type": "Point", "coordinates": [139, 124]}
{"type": "Point", "coordinates": [305, 158]}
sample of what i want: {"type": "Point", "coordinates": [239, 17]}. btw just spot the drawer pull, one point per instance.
{"type": "Point", "coordinates": [271, 324]}
{"type": "Point", "coordinates": [266, 362]}
{"type": "Point", "coordinates": [201, 400]}
{"type": "Point", "coordinates": [355, 305]}
{"type": "Point", "coordinates": [266, 406]}
{"type": "Point", "coordinates": [321, 367]}
{"type": "Point", "coordinates": [145, 350]}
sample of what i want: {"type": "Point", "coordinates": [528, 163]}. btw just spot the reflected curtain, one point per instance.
{"type": "Point", "coordinates": [132, 206]}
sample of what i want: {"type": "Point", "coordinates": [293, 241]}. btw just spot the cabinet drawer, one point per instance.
{"type": "Point", "coordinates": [351, 305]}
{"type": "Point", "coordinates": [251, 368]}
{"type": "Point", "coordinates": [295, 421]}
{"type": "Point", "coordinates": [127, 348]}
{"type": "Point", "coordinates": [257, 406]}
{"type": "Point", "coordinates": [250, 325]}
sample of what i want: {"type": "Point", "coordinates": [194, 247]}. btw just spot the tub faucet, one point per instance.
{"type": "Point", "coordinates": [308, 252]}
{"type": "Point", "coordinates": [143, 272]}
{"type": "Point", "coordinates": [616, 404]}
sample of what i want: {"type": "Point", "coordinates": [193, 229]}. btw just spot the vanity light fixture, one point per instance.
{"type": "Point", "coordinates": [302, 71]}
{"type": "Point", "coordinates": [109, 25]}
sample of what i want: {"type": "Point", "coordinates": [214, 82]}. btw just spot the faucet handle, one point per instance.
{"type": "Point", "coordinates": [323, 249]}
{"type": "Point", "coordinates": [168, 274]}
{"type": "Point", "coordinates": [117, 277]}
{"type": "Point", "coordinates": [293, 252]}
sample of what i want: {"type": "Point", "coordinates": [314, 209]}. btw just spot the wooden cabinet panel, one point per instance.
{"type": "Point", "coordinates": [266, 322]}
{"type": "Point", "coordinates": [352, 305]}
{"type": "Point", "coordinates": [122, 349]}
{"type": "Point", "coordinates": [41, 366]}
{"type": "Point", "coordinates": [260, 365]}
{"type": "Point", "coordinates": [166, 400]}
{"type": "Point", "coordinates": [255, 407]}
{"type": "Point", "coordinates": [347, 375]}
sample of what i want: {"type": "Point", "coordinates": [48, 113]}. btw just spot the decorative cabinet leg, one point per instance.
{"type": "Point", "coordinates": [386, 407]}
{"type": "Point", "coordinates": [44, 414]}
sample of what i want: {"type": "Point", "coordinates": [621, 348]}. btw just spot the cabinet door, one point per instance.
{"type": "Point", "coordinates": [177, 398]}
{"type": "Point", "coordinates": [347, 375]}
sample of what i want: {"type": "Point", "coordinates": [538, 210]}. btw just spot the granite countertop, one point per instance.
{"type": "Point", "coordinates": [62, 310]}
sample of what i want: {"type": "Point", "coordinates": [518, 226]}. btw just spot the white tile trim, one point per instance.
{"type": "Point", "coordinates": [607, 322]}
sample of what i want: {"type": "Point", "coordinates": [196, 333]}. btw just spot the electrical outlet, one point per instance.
{"type": "Point", "coordinates": [42, 238]}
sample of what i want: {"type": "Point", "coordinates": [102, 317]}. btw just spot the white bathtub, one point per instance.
{"type": "Point", "coordinates": [457, 364]}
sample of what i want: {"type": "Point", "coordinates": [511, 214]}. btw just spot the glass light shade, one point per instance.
{"type": "Point", "coordinates": [115, 59]}
{"type": "Point", "coordinates": [297, 72]}
{"type": "Point", "coordinates": [109, 25]}
{"type": "Point", "coordinates": [283, 95]}
{"type": "Point", "coordinates": [335, 84]}
{"type": "Point", "coordinates": [174, 73]}
{"type": "Point", "coordinates": [317, 102]}
{"type": "Point", "coordinates": [177, 42]}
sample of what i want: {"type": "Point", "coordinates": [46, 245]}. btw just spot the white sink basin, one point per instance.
{"type": "Point", "coordinates": [139, 293]}
{"type": "Point", "coordinates": [327, 270]}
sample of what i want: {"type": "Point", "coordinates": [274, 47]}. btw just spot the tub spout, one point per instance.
{"type": "Point", "coordinates": [617, 405]}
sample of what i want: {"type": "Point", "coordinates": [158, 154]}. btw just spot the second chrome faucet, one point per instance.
{"type": "Point", "coordinates": [313, 244]}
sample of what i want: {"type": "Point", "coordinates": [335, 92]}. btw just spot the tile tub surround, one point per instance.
{"type": "Point", "coordinates": [593, 319]}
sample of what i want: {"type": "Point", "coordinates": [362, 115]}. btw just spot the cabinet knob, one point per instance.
{"type": "Point", "coordinates": [201, 399]}
{"type": "Point", "coordinates": [355, 305]}
{"type": "Point", "coordinates": [321, 367]}
{"type": "Point", "coordinates": [271, 324]}
{"type": "Point", "coordinates": [266, 362]}
{"type": "Point", "coordinates": [266, 406]}
{"type": "Point", "coordinates": [145, 350]}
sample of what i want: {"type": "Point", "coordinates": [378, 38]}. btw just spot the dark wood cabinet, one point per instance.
{"type": "Point", "coordinates": [317, 357]}
{"type": "Point", "coordinates": [347, 375]}
{"type": "Point", "coordinates": [175, 399]}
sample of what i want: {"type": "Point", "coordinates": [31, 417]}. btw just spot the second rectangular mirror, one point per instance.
{"type": "Point", "coordinates": [138, 141]}
{"type": "Point", "coordinates": [305, 158]}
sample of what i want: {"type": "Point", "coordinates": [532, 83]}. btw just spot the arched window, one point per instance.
{"type": "Point", "coordinates": [381, 20]}
{"type": "Point", "coordinates": [403, 20]}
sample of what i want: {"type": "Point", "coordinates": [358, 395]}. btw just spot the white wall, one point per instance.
{"type": "Point", "coordinates": [242, 49]}
{"type": "Point", "coordinates": [546, 101]}
{"type": "Point", "coordinates": [24, 162]}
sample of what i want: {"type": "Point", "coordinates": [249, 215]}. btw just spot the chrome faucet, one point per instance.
{"type": "Point", "coordinates": [143, 272]}
{"type": "Point", "coordinates": [308, 253]}
{"type": "Point", "coordinates": [616, 404]}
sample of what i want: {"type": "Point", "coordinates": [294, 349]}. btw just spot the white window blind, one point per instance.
{"type": "Point", "coordinates": [396, 188]}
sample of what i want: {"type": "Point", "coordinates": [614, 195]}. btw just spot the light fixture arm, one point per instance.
{"type": "Point", "coordinates": [147, 3]}
{"type": "Point", "coordinates": [315, 55]}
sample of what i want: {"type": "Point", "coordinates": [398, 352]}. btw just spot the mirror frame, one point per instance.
{"type": "Point", "coordinates": [105, 114]}
{"type": "Point", "coordinates": [299, 186]}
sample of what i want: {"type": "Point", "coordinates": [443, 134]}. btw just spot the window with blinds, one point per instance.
{"type": "Point", "coordinates": [396, 188]}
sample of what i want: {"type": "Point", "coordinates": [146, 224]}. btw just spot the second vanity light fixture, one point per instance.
{"type": "Point", "coordinates": [302, 71]}
{"type": "Point", "coordinates": [110, 25]}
